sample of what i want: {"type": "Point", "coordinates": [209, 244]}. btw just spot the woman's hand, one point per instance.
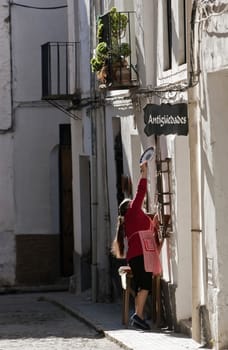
{"type": "Point", "coordinates": [143, 169]}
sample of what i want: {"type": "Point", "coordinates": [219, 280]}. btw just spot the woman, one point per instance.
{"type": "Point", "coordinates": [132, 219]}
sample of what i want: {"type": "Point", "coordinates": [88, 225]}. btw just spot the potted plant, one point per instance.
{"type": "Point", "coordinates": [111, 53]}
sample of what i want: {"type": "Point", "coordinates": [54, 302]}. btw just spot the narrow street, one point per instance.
{"type": "Point", "coordinates": [28, 322]}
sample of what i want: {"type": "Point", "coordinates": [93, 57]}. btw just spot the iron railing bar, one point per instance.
{"type": "Point", "coordinates": [67, 87]}
{"type": "Point", "coordinates": [129, 33]}
{"type": "Point", "coordinates": [58, 70]}
{"type": "Point", "coordinates": [110, 60]}
{"type": "Point", "coordinates": [75, 67]}
{"type": "Point", "coordinates": [49, 70]}
{"type": "Point", "coordinates": [76, 50]}
{"type": "Point", "coordinates": [119, 43]}
{"type": "Point", "coordinates": [44, 69]}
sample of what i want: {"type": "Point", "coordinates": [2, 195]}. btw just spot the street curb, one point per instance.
{"type": "Point", "coordinates": [77, 314]}
{"type": "Point", "coordinates": [72, 312]}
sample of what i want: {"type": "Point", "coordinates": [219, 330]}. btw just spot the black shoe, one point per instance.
{"type": "Point", "coordinates": [139, 323]}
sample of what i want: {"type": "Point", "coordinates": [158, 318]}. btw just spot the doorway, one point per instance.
{"type": "Point", "coordinates": [66, 201]}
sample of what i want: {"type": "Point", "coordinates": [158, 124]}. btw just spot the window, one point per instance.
{"type": "Point", "coordinates": [182, 32]}
{"type": "Point", "coordinates": [167, 34]}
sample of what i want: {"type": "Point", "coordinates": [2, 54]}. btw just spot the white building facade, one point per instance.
{"type": "Point", "coordinates": [30, 138]}
{"type": "Point", "coordinates": [117, 117]}
{"type": "Point", "coordinates": [178, 56]}
{"type": "Point", "coordinates": [171, 69]}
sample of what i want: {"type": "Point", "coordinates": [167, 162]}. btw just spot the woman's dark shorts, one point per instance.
{"type": "Point", "coordinates": [142, 279]}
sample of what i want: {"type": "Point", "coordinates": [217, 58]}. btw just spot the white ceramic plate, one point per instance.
{"type": "Point", "coordinates": [147, 154]}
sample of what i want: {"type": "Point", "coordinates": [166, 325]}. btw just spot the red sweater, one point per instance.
{"type": "Point", "coordinates": [136, 220]}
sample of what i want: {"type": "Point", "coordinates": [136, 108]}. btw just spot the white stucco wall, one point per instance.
{"type": "Point", "coordinates": [146, 32]}
{"type": "Point", "coordinates": [6, 184]}
{"type": "Point", "coordinates": [214, 61]}
{"type": "Point", "coordinates": [30, 29]}
{"type": "Point", "coordinates": [181, 240]}
{"type": "Point", "coordinates": [112, 128]}
{"type": "Point", "coordinates": [79, 30]}
{"type": "Point", "coordinates": [179, 246]}
{"type": "Point", "coordinates": [7, 219]}
{"type": "Point", "coordinates": [84, 36]}
{"type": "Point", "coordinates": [214, 49]}
{"type": "Point", "coordinates": [217, 199]}
{"type": "Point", "coordinates": [28, 195]}
{"type": "Point", "coordinates": [7, 246]}
{"type": "Point", "coordinates": [6, 139]}
{"type": "Point", "coordinates": [76, 151]}
{"type": "Point", "coordinates": [37, 123]}
{"type": "Point", "coordinates": [150, 53]}
{"type": "Point", "coordinates": [5, 73]}
{"type": "Point", "coordinates": [34, 169]}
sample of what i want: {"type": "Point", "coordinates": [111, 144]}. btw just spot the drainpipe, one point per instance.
{"type": "Point", "coordinates": [195, 165]}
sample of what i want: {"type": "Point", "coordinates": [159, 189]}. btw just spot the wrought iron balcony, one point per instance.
{"type": "Point", "coordinates": [114, 59]}
{"type": "Point", "coordinates": [60, 63]}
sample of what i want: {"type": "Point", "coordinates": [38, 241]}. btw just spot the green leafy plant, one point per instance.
{"type": "Point", "coordinates": [125, 50]}
{"type": "Point", "coordinates": [119, 23]}
{"type": "Point", "coordinates": [100, 27]}
{"type": "Point", "coordinates": [101, 54]}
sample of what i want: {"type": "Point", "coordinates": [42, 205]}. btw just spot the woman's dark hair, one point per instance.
{"type": "Point", "coordinates": [118, 243]}
{"type": "Point", "coordinates": [123, 207]}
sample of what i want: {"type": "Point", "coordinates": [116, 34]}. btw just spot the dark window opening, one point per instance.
{"type": "Point", "coordinates": [185, 31]}
{"type": "Point", "coordinates": [169, 32]}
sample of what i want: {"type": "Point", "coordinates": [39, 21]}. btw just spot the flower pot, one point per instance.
{"type": "Point", "coordinates": [121, 73]}
{"type": "Point", "coordinates": [122, 76]}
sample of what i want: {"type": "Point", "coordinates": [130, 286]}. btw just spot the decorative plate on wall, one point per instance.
{"type": "Point", "coordinates": [147, 155]}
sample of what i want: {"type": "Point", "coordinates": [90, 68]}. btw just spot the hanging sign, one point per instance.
{"type": "Point", "coordinates": [166, 119]}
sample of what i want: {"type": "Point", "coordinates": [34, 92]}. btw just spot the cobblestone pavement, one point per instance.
{"type": "Point", "coordinates": [28, 322]}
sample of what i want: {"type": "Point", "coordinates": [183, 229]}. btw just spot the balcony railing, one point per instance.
{"type": "Point", "coordinates": [60, 70]}
{"type": "Point", "coordinates": [115, 32]}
